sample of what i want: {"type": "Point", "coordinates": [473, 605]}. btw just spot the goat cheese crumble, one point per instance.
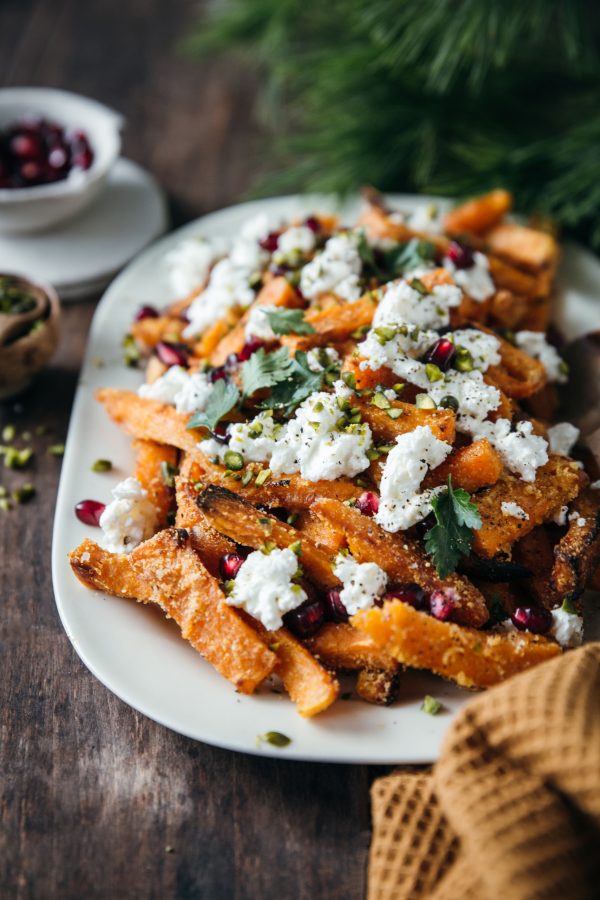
{"type": "Point", "coordinates": [189, 263]}
{"type": "Point", "coordinates": [475, 281]}
{"type": "Point", "coordinates": [129, 518]}
{"type": "Point", "coordinates": [562, 437]}
{"type": "Point", "coordinates": [484, 348]}
{"type": "Point", "coordinates": [401, 505]}
{"type": "Point", "coordinates": [336, 269]}
{"type": "Point", "coordinates": [187, 392]}
{"type": "Point", "coordinates": [521, 450]}
{"type": "Point", "coordinates": [255, 440]}
{"type": "Point", "coordinates": [509, 508]}
{"type": "Point", "coordinates": [534, 343]}
{"type": "Point", "coordinates": [363, 583]}
{"type": "Point", "coordinates": [567, 628]}
{"type": "Point", "coordinates": [264, 587]}
{"type": "Point", "coordinates": [295, 240]}
{"type": "Point", "coordinates": [258, 325]}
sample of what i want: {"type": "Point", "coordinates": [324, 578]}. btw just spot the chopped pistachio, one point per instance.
{"type": "Point", "coordinates": [26, 436]}
{"type": "Point", "coordinates": [275, 738]}
{"type": "Point", "coordinates": [431, 705]}
{"type": "Point", "coordinates": [372, 454]}
{"type": "Point", "coordinates": [8, 434]}
{"type": "Point", "coordinates": [380, 400]}
{"type": "Point", "coordinates": [268, 547]}
{"type": "Point", "coordinates": [424, 401]}
{"type": "Point", "coordinates": [24, 493]}
{"type": "Point", "coordinates": [569, 607]}
{"type": "Point", "coordinates": [17, 459]}
{"type": "Point", "coordinates": [198, 486]}
{"type": "Point", "coordinates": [247, 477]}
{"type": "Point", "coordinates": [433, 372]}
{"type": "Point", "coordinates": [233, 460]}
{"type": "Point", "coordinates": [3, 491]}
{"type": "Point", "coordinates": [168, 473]}
{"type": "Point", "coordinates": [4, 504]}
{"type": "Point", "coordinates": [417, 285]}
{"type": "Point", "coordinates": [292, 518]}
{"type": "Point", "coordinates": [266, 524]}
{"type": "Point", "coordinates": [56, 450]}
{"type": "Point", "coordinates": [262, 477]}
{"type": "Point", "coordinates": [349, 379]}
{"type": "Point", "coordinates": [296, 547]}
{"type": "Point", "coordinates": [131, 353]}
{"type": "Point", "coordinates": [394, 413]}
{"type": "Point", "coordinates": [102, 465]}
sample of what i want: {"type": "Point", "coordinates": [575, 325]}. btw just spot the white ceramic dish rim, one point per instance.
{"type": "Point", "coordinates": [330, 743]}
{"type": "Point", "coordinates": [102, 124]}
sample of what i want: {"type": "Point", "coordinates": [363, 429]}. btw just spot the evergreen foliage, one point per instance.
{"type": "Point", "coordinates": [443, 96]}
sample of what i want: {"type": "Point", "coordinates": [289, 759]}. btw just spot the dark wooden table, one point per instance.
{"type": "Point", "coordinates": [91, 793]}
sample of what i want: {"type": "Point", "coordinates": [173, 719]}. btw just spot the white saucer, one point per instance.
{"type": "Point", "coordinates": [82, 255]}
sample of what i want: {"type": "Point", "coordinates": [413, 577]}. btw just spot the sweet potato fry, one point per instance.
{"type": "Point", "coordinates": [535, 551]}
{"type": "Point", "coordinates": [518, 374]}
{"type": "Point", "coordinates": [211, 338]}
{"type": "Point", "coordinates": [325, 535]}
{"type": "Point", "coordinates": [149, 420]}
{"type": "Point", "coordinates": [507, 277]}
{"type": "Point", "coordinates": [153, 462]}
{"type": "Point", "coordinates": [378, 686]}
{"type": "Point", "coordinates": [578, 553]}
{"type": "Point", "coordinates": [479, 214]}
{"type": "Point", "coordinates": [471, 658]}
{"type": "Point", "coordinates": [249, 526]}
{"type": "Point", "coordinates": [384, 428]}
{"type": "Point", "coordinates": [148, 332]}
{"type": "Point", "coordinates": [523, 246]}
{"type": "Point", "coordinates": [403, 559]}
{"type": "Point", "coordinates": [340, 646]}
{"type": "Point", "coordinates": [556, 483]}
{"type": "Point", "coordinates": [165, 570]}
{"type": "Point", "coordinates": [472, 467]}
{"type": "Point", "coordinates": [507, 309]}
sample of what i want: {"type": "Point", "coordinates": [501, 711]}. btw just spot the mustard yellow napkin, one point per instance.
{"type": "Point", "coordinates": [511, 811]}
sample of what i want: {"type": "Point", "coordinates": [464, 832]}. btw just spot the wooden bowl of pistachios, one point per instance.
{"type": "Point", "coordinates": [29, 331]}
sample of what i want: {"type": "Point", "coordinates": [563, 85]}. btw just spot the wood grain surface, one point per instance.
{"type": "Point", "coordinates": [97, 801]}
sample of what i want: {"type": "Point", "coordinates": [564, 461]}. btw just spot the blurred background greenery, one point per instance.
{"type": "Point", "coordinates": [441, 96]}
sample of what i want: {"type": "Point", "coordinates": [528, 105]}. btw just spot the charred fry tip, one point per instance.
{"type": "Point", "coordinates": [214, 493]}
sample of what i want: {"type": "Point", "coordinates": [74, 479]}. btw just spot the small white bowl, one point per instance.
{"type": "Point", "coordinates": [35, 208]}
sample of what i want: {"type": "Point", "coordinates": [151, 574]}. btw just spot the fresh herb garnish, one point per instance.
{"type": "Point", "coordinates": [451, 537]}
{"type": "Point", "coordinates": [388, 264]}
{"type": "Point", "coordinates": [223, 398]}
{"type": "Point", "coordinates": [275, 738]}
{"type": "Point", "coordinates": [288, 321]}
{"type": "Point", "coordinates": [299, 384]}
{"type": "Point", "coordinates": [430, 705]}
{"type": "Point", "coordinates": [569, 607]}
{"type": "Point", "coordinates": [263, 370]}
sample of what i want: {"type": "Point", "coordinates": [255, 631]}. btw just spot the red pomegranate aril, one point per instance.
{"type": "Point", "coordinates": [313, 223]}
{"type": "Point", "coordinates": [26, 146]}
{"type": "Point", "coordinates": [146, 312]}
{"type": "Point", "coordinates": [368, 503]}
{"type": "Point", "coordinates": [249, 348]}
{"type": "Point", "coordinates": [409, 593]}
{"type": "Point", "coordinates": [306, 619]}
{"type": "Point", "coordinates": [83, 160]}
{"type": "Point", "coordinates": [336, 611]}
{"type": "Point", "coordinates": [31, 171]}
{"type": "Point", "coordinates": [220, 434]}
{"type": "Point", "coordinates": [460, 255]}
{"type": "Point", "coordinates": [89, 512]}
{"type": "Point", "coordinates": [536, 619]}
{"type": "Point", "coordinates": [441, 354]}
{"type": "Point", "coordinates": [230, 565]}
{"type": "Point", "coordinates": [270, 242]}
{"type": "Point", "coordinates": [172, 354]}
{"type": "Point", "coordinates": [442, 603]}
{"type": "Point", "coordinates": [218, 373]}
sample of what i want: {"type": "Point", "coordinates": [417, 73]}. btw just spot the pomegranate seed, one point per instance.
{"type": "Point", "coordinates": [57, 158]}
{"type": "Point", "coordinates": [409, 593]}
{"type": "Point", "coordinates": [27, 146]}
{"type": "Point", "coordinates": [441, 354]}
{"type": "Point", "coordinates": [270, 242]}
{"type": "Point", "coordinates": [230, 565]}
{"type": "Point", "coordinates": [536, 619]}
{"type": "Point", "coordinates": [218, 373]}
{"type": "Point", "coordinates": [172, 354]}
{"type": "Point", "coordinates": [442, 603]}
{"type": "Point", "coordinates": [89, 512]}
{"type": "Point", "coordinates": [460, 255]}
{"type": "Point", "coordinates": [313, 223]}
{"type": "Point", "coordinates": [249, 348]}
{"type": "Point", "coordinates": [146, 312]}
{"type": "Point", "coordinates": [220, 434]}
{"type": "Point", "coordinates": [306, 619]}
{"type": "Point", "coordinates": [83, 160]}
{"type": "Point", "coordinates": [368, 503]}
{"type": "Point", "coordinates": [336, 611]}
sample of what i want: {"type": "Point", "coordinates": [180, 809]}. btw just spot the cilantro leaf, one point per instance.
{"type": "Point", "coordinates": [452, 535]}
{"type": "Point", "coordinates": [408, 256]}
{"type": "Point", "coordinates": [300, 384]}
{"type": "Point", "coordinates": [288, 321]}
{"type": "Point", "coordinates": [264, 370]}
{"type": "Point", "coordinates": [223, 398]}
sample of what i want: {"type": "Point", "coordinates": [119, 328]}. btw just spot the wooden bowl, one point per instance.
{"type": "Point", "coordinates": [24, 355]}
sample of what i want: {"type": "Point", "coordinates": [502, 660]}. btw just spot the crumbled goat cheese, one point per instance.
{"type": "Point", "coordinates": [363, 583]}
{"type": "Point", "coordinates": [316, 445]}
{"type": "Point", "coordinates": [484, 348]}
{"type": "Point", "coordinates": [476, 280]}
{"type": "Point", "coordinates": [186, 392]}
{"type": "Point", "coordinates": [402, 304]}
{"type": "Point", "coordinates": [255, 440]}
{"type": "Point", "coordinates": [426, 219]}
{"type": "Point", "coordinates": [336, 269]}
{"type": "Point", "coordinates": [474, 396]}
{"type": "Point", "coordinates": [534, 343]}
{"type": "Point", "coordinates": [298, 239]}
{"type": "Point", "coordinates": [513, 510]}
{"type": "Point", "coordinates": [521, 450]}
{"type": "Point", "coordinates": [264, 588]}
{"type": "Point", "coordinates": [400, 503]}
{"type": "Point", "coordinates": [321, 358]}
{"type": "Point", "coordinates": [567, 628]}
{"type": "Point", "coordinates": [258, 325]}
{"type": "Point", "coordinates": [560, 517]}
{"type": "Point", "coordinates": [129, 518]}
{"type": "Point", "coordinates": [189, 263]}
{"type": "Point", "coordinates": [562, 438]}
